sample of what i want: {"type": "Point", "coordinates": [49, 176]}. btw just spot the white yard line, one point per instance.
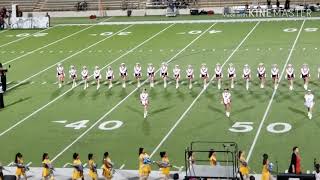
{"type": "Point", "coordinates": [201, 92]}
{"type": "Point", "coordinates": [122, 166]}
{"type": "Point", "coordinates": [24, 37]}
{"type": "Point", "coordinates": [273, 94]}
{"type": "Point", "coordinates": [57, 98]}
{"type": "Point", "coordinates": [53, 65]}
{"type": "Point", "coordinates": [47, 45]}
{"type": "Point", "coordinates": [125, 98]}
{"type": "Point", "coordinates": [3, 31]}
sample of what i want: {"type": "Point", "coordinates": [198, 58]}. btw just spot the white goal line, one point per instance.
{"type": "Point", "coordinates": [198, 21]}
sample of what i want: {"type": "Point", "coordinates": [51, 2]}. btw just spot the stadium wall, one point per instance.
{"type": "Point", "coordinates": [135, 12]}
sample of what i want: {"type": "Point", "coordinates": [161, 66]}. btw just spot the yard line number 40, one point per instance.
{"type": "Point", "coordinates": [276, 128]}
{"type": "Point", "coordinates": [106, 125]}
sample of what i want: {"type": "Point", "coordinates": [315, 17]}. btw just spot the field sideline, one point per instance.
{"type": "Point", "coordinates": [42, 118]}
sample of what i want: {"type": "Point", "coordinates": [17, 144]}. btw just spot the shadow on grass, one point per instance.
{"type": "Point", "coordinates": [146, 128]}
{"type": "Point", "coordinates": [56, 93]}
{"type": "Point", "coordinates": [82, 94]}
{"type": "Point", "coordinates": [18, 101]}
{"type": "Point", "coordinates": [298, 111]}
{"type": "Point", "coordinates": [216, 109]}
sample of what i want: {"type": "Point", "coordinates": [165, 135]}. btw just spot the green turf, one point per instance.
{"type": "Point", "coordinates": [205, 120]}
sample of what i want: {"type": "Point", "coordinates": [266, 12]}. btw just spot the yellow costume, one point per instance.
{"type": "Point", "coordinates": [76, 174]}
{"type": "Point", "coordinates": [20, 171]}
{"type": "Point", "coordinates": [165, 170]}
{"type": "Point", "coordinates": [244, 169]}
{"type": "Point", "coordinates": [92, 170]}
{"type": "Point", "coordinates": [45, 170]}
{"type": "Point", "coordinates": [265, 173]}
{"type": "Point", "coordinates": [213, 160]}
{"type": "Point", "coordinates": [106, 170]}
{"type": "Point", "coordinates": [144, 169]}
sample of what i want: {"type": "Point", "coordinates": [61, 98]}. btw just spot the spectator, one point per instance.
{"type": "Point", "coordinates": [287, 4]}
{"type": "Point", "coordinates": [269, 4]}
{"type": "Point", "coordinates": [278, 4]}
{"type": "Point", "coordinates": [295, 164]}
{"type": "Point", "coordinates": [317, 173]}
{"type": "Point", "coordinates": [1, 173]}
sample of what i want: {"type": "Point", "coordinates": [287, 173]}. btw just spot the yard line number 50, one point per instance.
{"type": "Point", "coordinates": [276, 128]}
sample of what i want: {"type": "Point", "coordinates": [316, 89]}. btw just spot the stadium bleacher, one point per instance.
{"type": "Point", "coordinates": [70, 5]}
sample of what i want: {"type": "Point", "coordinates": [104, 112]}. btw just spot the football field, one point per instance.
{"type": "Point", "coordinates": [40, 117]}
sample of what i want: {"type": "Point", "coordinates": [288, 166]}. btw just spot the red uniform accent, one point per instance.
{"type": "Point", "coordinates": [298, 165]}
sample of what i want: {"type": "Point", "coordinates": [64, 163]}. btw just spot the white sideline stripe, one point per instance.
{"type": "Point", "coordinates": [201, 92]}
{"type": "Point", "coordinates": [38, 110]}
{"type": "Point", "coordinates": [3, 31]}
{"type": "Point", "coordinates": [25, 37]}
{"type": "Point", "coordinates": [124, 99]}
{"type": "Point", "coordinates": [199, 21]}
{"type": "Point", "coordinates": [273, 94]}
{"type": "Point", "coordinates": [122, 166]}
{"type": "Point", "coordinates": [26, 54]}
{"type": "Point", "coordinates": [68, 58]}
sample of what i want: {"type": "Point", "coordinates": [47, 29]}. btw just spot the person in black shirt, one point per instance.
{"type": "Point", "coordinates": [1, 96]}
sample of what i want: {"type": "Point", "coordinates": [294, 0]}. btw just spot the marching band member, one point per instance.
{"type": "Point", "coordinates": [144, 100]}
{"type": "Point", "coordinates": [305, 75]}
{"type": "Point", "coordinates": [92, 167]}
{"type": "Point", "coordinates": [176, 73]}
{"type": "Point", "coordinates": [190, 76]}
{"type": "Point", "coordinates": [275, 75]}
{"type": "Point", "coordinates": [73, 75]}
{"type": "Point", "coordinates": [21, 168]}
{"type": "Point", "coordinates": [309, 102]}
{"type": "Point", "coordinates": [261, 74]}
{"type": "Point", "coordinates": [164, 165]}
{"type": "Point", "coordinates": [290, 75]}
{"type": "Point", "coordinates": [164, 73]}
{"type": "Point", "coordinates": [47, 171]}
{"type": "Point", "coordinates": [218, 71]}
{"type": "Point", "coordinates": [97, 76]}
{"type": "Point", "coordinates": [60, 74]}
{"type": "Point", "coordinates": [150, 71]}
{"type": "Point", "coordinates": [266, 175]}
{"type": "Point", "coordinates": [77, 173]}
{"type": "Point", "coordinates": [107, 167]}
{"type": "Point", "coordinates": [137, 73]}
{"type": "Point", "coordinates": [226, 101]}
{"type": "Point", "coordinates": [244, 169]}
{"type": "Point", "coordinates": [144, 164]}
{"type": "Point", "coordinates": [123, 74]}
{"type": "Point", "coordinates": [204, 74]}
{"type": "Point", "coordinates": [247, 75]}
{"type": "Point", "coordinates": [85, 75]}
{"type": "Point", "coordinates": [109, 76]}
{"type": "Point", "coordinates": [232, 74]}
